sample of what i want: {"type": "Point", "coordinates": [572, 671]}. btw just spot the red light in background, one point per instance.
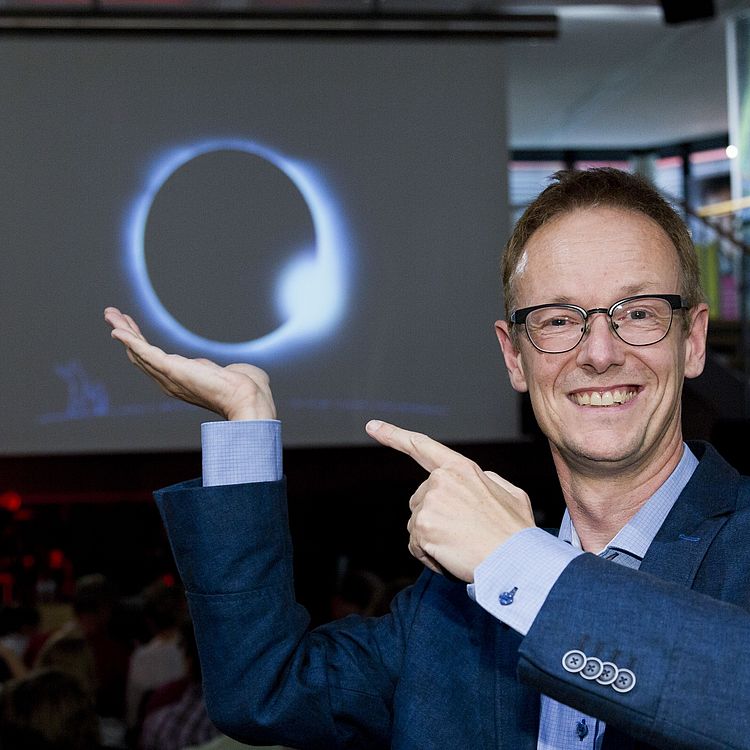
{"type": "Point", "coordinates": [10, 501]}
{"type": "Point", "coordinates": [168, 579]}
{"type": "Point", "coordinates": [28, 561]}
{"type": "Point", "coordinates": [56, 559]}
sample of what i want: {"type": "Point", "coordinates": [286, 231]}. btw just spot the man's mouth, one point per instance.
{"type": "Point", "coordinates": [614, 397]}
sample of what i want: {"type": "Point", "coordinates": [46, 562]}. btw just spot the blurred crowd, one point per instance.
{"type": "Point", "coordinates": [115, 673]}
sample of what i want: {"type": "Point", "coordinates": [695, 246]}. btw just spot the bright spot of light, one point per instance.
{"type": "Point", "coordinates": [307, 294]}
{"type": "Point", "coordinates": [732, 151]}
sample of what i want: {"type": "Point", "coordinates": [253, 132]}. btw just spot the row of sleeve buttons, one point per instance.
{"type": "Point", "coordinates": [604, 672]}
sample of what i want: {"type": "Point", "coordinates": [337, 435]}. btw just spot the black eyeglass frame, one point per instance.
{"type": "Point", "coordinates": [518, 317]}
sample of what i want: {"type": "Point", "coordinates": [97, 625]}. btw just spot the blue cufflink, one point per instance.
{"type": "Point", "coordinates": [581, 729]}
{"type": "Point", "coordinates": [507, 596]}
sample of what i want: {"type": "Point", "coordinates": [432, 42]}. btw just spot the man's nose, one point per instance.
{"type": "Point", "coordinates": [601, 347]}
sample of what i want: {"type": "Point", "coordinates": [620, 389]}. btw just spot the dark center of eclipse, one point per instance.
{"type": "Point", "coordinates": [220, 231]}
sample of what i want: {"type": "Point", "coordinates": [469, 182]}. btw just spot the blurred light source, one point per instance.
{"type": "Point", "coordinates": [732, 151]}
{"type": "Point", "coordinates": [10, 501]}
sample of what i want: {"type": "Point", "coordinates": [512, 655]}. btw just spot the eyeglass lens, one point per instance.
{"type": "Point", "coordinates": [638, 322]}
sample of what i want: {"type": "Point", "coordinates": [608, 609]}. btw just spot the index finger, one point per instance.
{"type": "Point", "coordinates": [428, 453]}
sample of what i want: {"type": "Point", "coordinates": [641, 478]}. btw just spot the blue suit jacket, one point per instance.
{"type": "Point", "coordinates": [439, 672]}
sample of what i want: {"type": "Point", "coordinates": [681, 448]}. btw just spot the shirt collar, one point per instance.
{"type": "Point", "coordinates": [636, 536]}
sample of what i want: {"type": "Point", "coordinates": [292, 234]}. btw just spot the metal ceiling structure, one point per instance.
{"type": "Point", "coordinates": [593, 75]}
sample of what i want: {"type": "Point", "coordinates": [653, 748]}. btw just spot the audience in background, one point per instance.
{"type": "Point", "coordinates": [94, 604]}
{"type": "Point", "coordinates": [10, 665]}
{"type": "Point", "coordinates": [77, 696]}
{"type": "Point", "coordinates": [70, 653]}
{"type": "Point", "coordinates": [183, 722]}
{"type": "Point", "coordinates": [18, 624]}
{"type": "Point", "coordinates": [47, 710]}
{"type": "Point", "coordinates": [86, 648]}
{"type": "Point", "coordinates": [160, 660]}
{"type": "Point", "coordinates": [222, 742]}
{"type": "Point", "coordinates": [358, 592]}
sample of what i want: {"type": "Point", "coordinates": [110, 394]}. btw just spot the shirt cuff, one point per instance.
{"type": "Point", "coordinates": [512, 583]}
{"type": "Point", "coordinates": [241, 451]}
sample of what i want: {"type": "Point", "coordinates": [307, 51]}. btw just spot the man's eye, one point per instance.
{"type": "Point", "coordinates": [639, 314]}
{"type": "Point", "coordinates": [558, 321]}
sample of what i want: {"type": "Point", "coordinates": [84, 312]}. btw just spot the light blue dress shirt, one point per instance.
{"type": "Point", "coordinates": [531, 561]}
{"type": "Point", "coordinates": [241, 452]}
{"type": "Point", "coordinates": [512, 584]}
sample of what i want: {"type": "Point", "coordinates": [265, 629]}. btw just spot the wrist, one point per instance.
{"type": "Point", "coordinates": [250, 411]}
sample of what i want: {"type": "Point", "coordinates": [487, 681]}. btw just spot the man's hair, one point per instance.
{"type": "Point", "coordinates": [93, 594]}
{"type": "Point", "coordinates": [571, 190]}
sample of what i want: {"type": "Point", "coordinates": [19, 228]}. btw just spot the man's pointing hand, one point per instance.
{"type": "Point", "coordinates": [460, 513]}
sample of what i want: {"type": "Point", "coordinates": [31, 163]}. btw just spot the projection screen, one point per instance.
{"type": "Point", "coordinates": [330, 210]}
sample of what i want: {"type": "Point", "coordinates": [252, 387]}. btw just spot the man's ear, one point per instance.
{"type": "Point", "coordinates": [695, 341]}
{"type": "Point", "coordinates": [512, 357]}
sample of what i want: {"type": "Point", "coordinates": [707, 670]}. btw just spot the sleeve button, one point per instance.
{"type": "Point", "coordinates": [625, 681]}
{"type": "Point", "coordinates": [573, 661]}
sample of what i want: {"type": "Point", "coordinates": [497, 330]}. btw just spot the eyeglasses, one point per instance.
{"type": "Point", "coordinates": [639, 321]}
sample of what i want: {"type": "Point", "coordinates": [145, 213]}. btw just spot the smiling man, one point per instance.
{"type": "Point", "coordinates": [605, 320]}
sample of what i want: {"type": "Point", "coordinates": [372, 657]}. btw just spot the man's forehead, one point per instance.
{"type": "Point", "coordinates": [615, 248]}
{"type": "Point", "coordinates": [594, 229]}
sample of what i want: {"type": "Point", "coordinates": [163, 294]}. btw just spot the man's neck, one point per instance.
{"type": "Point", "coordinates": [602, 503]}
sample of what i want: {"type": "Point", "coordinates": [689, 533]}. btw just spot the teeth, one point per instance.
{"type": "Point", "coordinates": [603, 398]}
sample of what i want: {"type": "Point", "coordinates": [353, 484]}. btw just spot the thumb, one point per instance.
{"type": "Point", "coordinates": [496, 478]}
{"type": "Point", "coordinates": [504, 483]}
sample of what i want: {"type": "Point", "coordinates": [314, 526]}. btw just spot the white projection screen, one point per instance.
{"type": "Point", "coordinates": [330, 210]}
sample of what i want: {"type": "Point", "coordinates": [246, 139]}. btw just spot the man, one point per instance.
{"type": "Point", "coordinates": [606, 319]}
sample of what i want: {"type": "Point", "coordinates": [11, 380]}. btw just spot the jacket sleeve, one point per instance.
{"type": "Point", "coordinates": [687, 654]}
{"type": "Point", "coordinates": [267, 678]}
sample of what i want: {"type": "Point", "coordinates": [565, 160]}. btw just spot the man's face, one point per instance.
{"type": "Point", "coordinates": [593, 258]}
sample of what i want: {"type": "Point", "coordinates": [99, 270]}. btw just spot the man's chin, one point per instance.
{"type": "Point", "coordinates": [593, 453]}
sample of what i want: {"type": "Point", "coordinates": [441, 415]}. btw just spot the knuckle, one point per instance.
{"type": "Point", "coordinates": [417, 440]}
{"type": "Point", "coordinates": [440, 477]}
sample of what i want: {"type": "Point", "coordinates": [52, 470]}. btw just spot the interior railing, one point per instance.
{"type": "Point", "coordinates": [718, 232]}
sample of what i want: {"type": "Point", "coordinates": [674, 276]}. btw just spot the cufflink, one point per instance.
{"type": "Point", "coordinates": [507, 596]}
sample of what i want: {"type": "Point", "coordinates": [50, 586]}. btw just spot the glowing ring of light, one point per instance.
{"type": "Point", "coordinates": [310, 294]}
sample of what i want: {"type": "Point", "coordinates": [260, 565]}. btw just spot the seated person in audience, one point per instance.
{"type": "Point", "coordinates": [69, 652]}
{"type": "Point", "coordinates": [183, 722]}
{"type": "Point", "coordinates": [93, 606]}
{"type": "Point", "coordinates": [47, 710]}
{"type": "Point", "coordinates": [161, 659]}
{"type": "Point", "coordinates": [18, 623]}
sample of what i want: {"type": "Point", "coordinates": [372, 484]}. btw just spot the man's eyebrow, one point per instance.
{"type": "Point", "coordinates": [632, 290]}
{"type": "Point", "coordinates": [629, 291]}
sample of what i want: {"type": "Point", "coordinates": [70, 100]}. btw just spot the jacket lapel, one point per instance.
{"type": "Point", "coordinates": [699, 513]}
